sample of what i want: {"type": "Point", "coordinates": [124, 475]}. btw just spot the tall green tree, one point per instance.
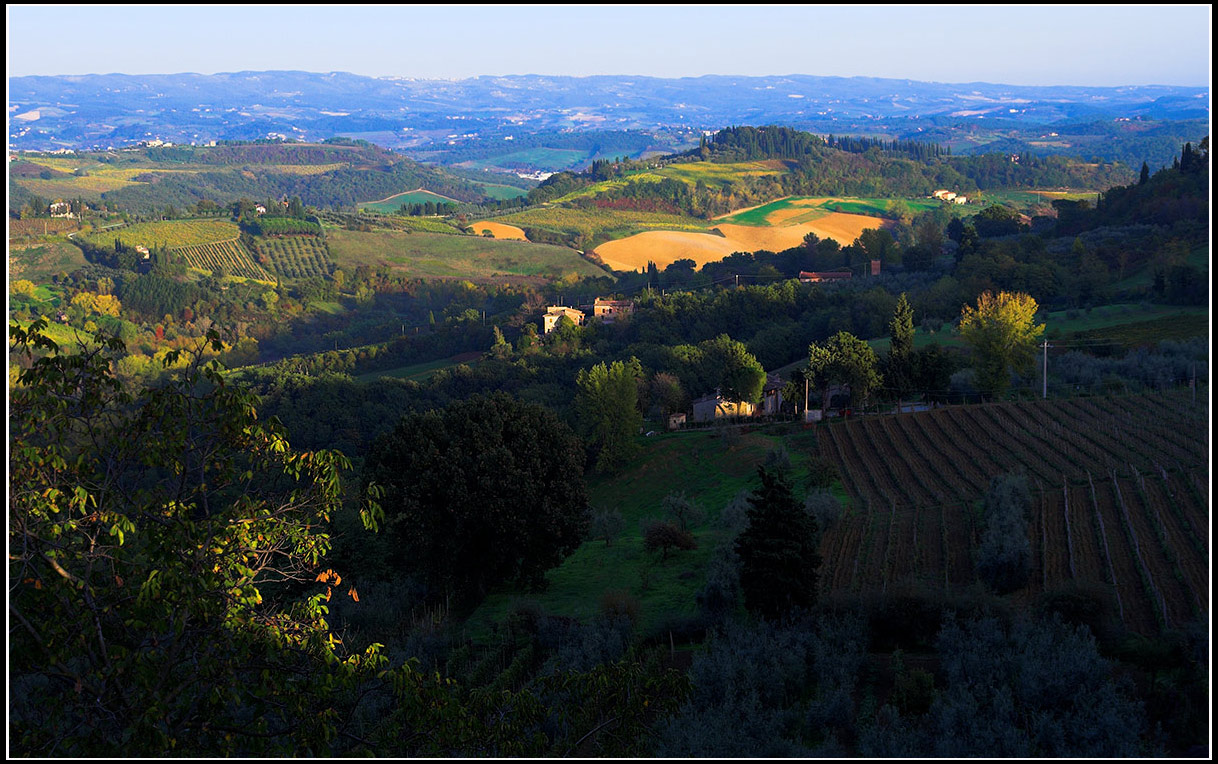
{"type": "Point", "coordinates": [778, 550]}
{"type": "Point", "coordinates": [844, 359]}
{"type": "Point", "coordinates": [607, 404]}
{"type": "Point", "coordinates": [899, 371]}
{"type": "Point", "coordinates": [1003, 333]}
{"type": "Point", "coordinates": [733, 369]}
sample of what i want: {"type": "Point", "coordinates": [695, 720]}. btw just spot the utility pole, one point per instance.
{"type": "Point", "coordinates": [805, 397]}
{"type": "Point", "coordinates": [1045, 390]}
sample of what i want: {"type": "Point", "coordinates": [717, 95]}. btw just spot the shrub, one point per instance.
{"type": "Point", "coordinates": [824, 507]}
{"type": "Point", "coordinates": [664, 536]}
{"type": "Point", "coordinates": [1004, 557]}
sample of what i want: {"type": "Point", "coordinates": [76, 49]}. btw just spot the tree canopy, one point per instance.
{"type": "Point", "coordinates": [1002, 332]}
{"type": "Point", "coordinates": [607, 406]}
{"type": "Point", "coordinates": [844, 359]}
{"type": "Point", "coordinates": [487, 490]}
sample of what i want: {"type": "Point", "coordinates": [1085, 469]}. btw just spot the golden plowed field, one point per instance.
{"type": "Point", "coordinates": [498, 230]}
{"type": "Point", "coordinates": [664, 247]}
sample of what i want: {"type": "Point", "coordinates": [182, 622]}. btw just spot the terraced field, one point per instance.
{"type": "Point", "coordinates": [1121, 487]}
{"type": "Point", "coordinates": [170, 233]}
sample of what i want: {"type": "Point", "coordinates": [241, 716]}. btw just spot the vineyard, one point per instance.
{"type": "Point", "coordinates": [1121, 489]}
{"type": "Point", "coordinates": [295, 257]}
{"type": "Point", "coordinates": [41, 226]}
{"type": "Point", "coordinates": [173, 234]}
{"type": "Point", "coordinates": [227, 256]}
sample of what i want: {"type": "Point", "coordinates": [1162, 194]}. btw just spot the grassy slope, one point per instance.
{"type": "Point", "coordinates": [417, 196]}
{"type": "Point", "coordinates": [421, 371]}
{"type": "Point", "coordinates": [425, 255]}
{"type": "Point", "coordinates": [39, 262]}
{"type": "Point", "coordinates": [703, 466]}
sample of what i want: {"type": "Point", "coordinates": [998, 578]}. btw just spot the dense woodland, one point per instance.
{"type": "Point", "coordinates": [355, 520]}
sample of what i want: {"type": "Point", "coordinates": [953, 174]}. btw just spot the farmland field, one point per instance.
{"type": "Point", "coordinates": [1119, 498]}
{"type": "Point", "coordinates": [41, 227]}
{"type": "Point", "coordinates": [425, 255]}
{"type": "Point", "coordinates": [172, 234]}
{"type": "Point", "coordinates": [498, 230]}
{"type": "Point", "coordinates": [634, 252]}
{"type": "Point", "coordinates": [418, 196]}
{"type": "Point", "coordinates": [38, 263]}
{"type": "Point", "coordinates": [500, 191]}
{"type": "Point", "coordinates": [598, 224]}
{"type": "Point", "coordinates": [229, 256]}
{"type": "Point", "coordinates": [539, 158]}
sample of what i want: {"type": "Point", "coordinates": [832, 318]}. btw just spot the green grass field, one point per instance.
{"type": "Point", "coordinates": [418, 196]}
{"type": "Point", "coordinates": [1130, 325]}
{"type": "Point", "coordinates": [426, 255]}
{"type": "Point", "coordinates": [877, 208]}
{"type": "Point", "coordinates": [709, 471]}
{"type": "Point", "coordinates": [598, 225]}
{"type": "Point", "coordinates": [547, 159]}
{"type": "Point", "coordinates": [714, 172]}
{"type": "Point", "coordinates": [1031, 198]}
{"type": "Point", "coordinates": [501, 192]}
{"type": "Point", "coordinates": [421, 371]}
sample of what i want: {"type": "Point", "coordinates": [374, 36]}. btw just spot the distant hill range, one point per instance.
{"type": "Point", "coordinates": [442, 119]}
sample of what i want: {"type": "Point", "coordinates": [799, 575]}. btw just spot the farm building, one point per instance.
{"type": "Point", "coordinates": [875, 267]}
{"type": "Point", "coordinates": [708, 408]}
{"type": "Point", "coordinates": [61, 210]}
{"type": "Point", "coordinates": [771, 396]}
{"type": "Point", "coordinates": [961, 200]}
{"type": "Point", "coordinates": [815, 277]}
{"type": "Point", "coordinates": [554, 313]}
{"type": "Point", "coordinates": [676, 421]}
{"type": "Point", "coordinates": [609, 311]}
{"type": "Point", "coordinates": [944, 195]}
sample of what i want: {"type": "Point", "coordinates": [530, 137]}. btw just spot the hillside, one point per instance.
{"type": "Point", "coordinates": [1120, 505]}
{"type": "Point", "coordinates": [323, 175]}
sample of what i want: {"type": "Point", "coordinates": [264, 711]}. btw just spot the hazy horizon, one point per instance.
{"type": "Point", "coordinates": [1010, 45]}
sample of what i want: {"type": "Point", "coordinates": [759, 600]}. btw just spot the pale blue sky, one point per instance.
{"type": "Point", "coordinates": [1022, 45]}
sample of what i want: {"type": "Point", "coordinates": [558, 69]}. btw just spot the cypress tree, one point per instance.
{"type": "Point", "coordinates": [778, 550]}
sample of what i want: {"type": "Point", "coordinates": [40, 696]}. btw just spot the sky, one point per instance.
{"type": "Point", "coordinates": [1018, 45]}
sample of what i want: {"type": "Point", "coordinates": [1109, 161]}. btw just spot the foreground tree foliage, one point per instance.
{"type": "Point", "coordinates": [487, 490]}
{"type": "Point", "coordinates": [168, 594]}
{"type": "Point", "coordinates": [166, 584]}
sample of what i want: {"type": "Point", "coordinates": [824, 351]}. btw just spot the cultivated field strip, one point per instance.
{"type": "Point", "coordinates": [229, 256]}
{"type": "Point", "coordinates": [1121, 499]}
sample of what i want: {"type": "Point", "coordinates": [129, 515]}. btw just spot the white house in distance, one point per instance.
{"type": "Point", "coordinates": [554, 314]}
